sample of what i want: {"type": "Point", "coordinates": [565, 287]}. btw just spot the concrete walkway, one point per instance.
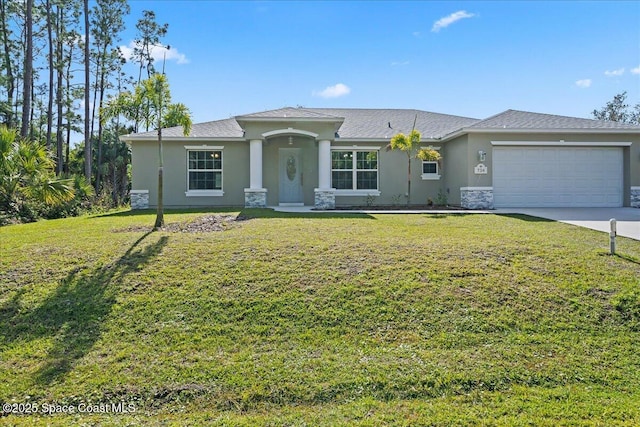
{"type": "Point", "coordinates": [628, 219]}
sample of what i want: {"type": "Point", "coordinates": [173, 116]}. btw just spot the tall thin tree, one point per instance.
{"type": "Point", "coordinates": [7, 62]}
{"type": "Point", "coordinates": [49, 16]}
{"type": "Point", "coordinates": [87, 70]}
{"type": "Point", "coordinates": [27, 82]}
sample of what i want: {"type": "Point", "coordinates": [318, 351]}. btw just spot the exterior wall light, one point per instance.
{"type": "Point", "coordinates": [482, 155]}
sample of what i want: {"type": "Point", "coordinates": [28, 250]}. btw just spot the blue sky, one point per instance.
{"type": "Point", "coordinates": [471, 59]}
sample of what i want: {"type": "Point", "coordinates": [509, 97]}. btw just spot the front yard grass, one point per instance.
{"type": "Point", "coordinates": [320, 319]}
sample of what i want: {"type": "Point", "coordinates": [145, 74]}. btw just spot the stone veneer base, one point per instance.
{"type": "Point", "coordinates": [325, 199]}
{"type": "Point", "coordinates": [139, 199]}
{"type": "Point", "coordinates": [476, 197]}
{"type": "Point", "coordinates": [255, 197]}
{"type": "Point", "coordinates": [635, 197]}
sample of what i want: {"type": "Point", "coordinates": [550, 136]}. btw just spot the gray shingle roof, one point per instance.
{"type": "Point", "coordinates": [361, 123]}
{"type": "Point", "coordinates": [384, 123]}
{"type": "Point", "coordinates": [289, 112]}
{"type": "Point", "coordinates": [514, 119]}
{"type": "Point", "coordinates": [227, 128]}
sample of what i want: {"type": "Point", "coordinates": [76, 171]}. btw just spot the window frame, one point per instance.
{"type": "Point", "coordinates": [430, 176]}
{"type": "Point", "coordinates": [354, 191]}
{"type": "Point", "coordinates": [204, 193]}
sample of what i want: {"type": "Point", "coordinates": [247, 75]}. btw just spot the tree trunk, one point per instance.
{"type": "Point", "coordinates": [101, 90]}
{"type": "Point", "coordinates": [87, 135]}
{"type": "Point", "coordinates": [160, 211]}
{"type": "Point", "coordinates": [11, 85]}
{"type": "Point", "coordinates": [59, 72]}
{"type": "Point", "coordinates": [408, 179]}
{"type": "Point", "coordinates": [51, 73]}
{"type": "Point", "coordinates": [32, 111]}
{"type": "Point", "coordinates": [28, 71]}
{"type": "Point", "coordinates": [69, 113]}
{"type": "Point", "coordinates": [99, 161]}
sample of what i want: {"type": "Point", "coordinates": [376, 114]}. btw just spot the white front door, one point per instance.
{"type": "Point", "coordinates": [290, 176]}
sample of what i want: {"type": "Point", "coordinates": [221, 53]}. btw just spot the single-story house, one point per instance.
{"type": "Point", "coordinates": [333, 157]}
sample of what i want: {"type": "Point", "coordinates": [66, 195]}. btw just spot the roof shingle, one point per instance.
{"type": "Point", "coordinates": [362, 123]}
{"type": "Point", "coordinates": [514, 119]}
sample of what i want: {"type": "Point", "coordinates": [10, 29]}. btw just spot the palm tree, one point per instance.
{"type": "Point", "coordinates": [27, 173]}
{"type": "Point", "coordinates": [153, 97]}
{"type": "Point", "coordinates": [410, 144]}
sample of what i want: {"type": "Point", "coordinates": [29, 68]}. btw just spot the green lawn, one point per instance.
{"type": "Point", "coordinates": [320, 319]}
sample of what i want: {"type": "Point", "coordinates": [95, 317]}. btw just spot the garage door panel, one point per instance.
{"type": "Point", "coordinates": [557, 176]}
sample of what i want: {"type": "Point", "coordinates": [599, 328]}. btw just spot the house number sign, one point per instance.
{"type": "Point", "coordinates": [480, 169]}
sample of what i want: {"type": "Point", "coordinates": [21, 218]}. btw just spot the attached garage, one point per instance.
{"type": "Point", "coordinates": [557, 176]}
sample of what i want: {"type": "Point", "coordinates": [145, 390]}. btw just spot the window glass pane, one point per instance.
{"type": "Point", "coordinates": [342, 180]}
{"type": "Point", "coordinates": [367, 160]}
{"type": "Point", "coordinates": [367, 180]}
{"type": "Point", "coordinates": [205, 180]}
{"type": "Point", "coordinates": [217, 159]}
{"type": "Point", "coordinates": [205, 160]}
{"type": "Point", "coordinates": [205, 170]}
{"type": "Point", "coordinates": [341, 160]}
{"type": "Point", "coordinates": [429, 167]}
{"type": "Point", "coordinates": [192, 159]}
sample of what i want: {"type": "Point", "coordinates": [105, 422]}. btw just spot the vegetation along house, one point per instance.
{"type": "Point", "coordinates": [332, 157]}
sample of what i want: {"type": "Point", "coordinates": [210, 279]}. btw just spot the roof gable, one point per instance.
{"type": "Point", "coordinates": [288, 113]}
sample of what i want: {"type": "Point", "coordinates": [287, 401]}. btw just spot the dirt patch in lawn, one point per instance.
{"type": "Point", "coordinates": [202, 224]}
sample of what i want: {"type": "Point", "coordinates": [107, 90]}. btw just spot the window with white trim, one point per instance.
{"type": "Point", "coordinates": [354, 169]}
{"type": "Point", "coordinates": [430, 170]}
{"type": "Point", "coordinates": [204, 170]}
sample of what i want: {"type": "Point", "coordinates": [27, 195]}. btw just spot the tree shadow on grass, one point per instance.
{"type": "Point", "coordinates": [253, 213]}
{"type": "Point", "coordinates": [74, 313]}
{"type": "Point", "coordinates": [527, 218]}
{"type": "Point", "coordinates": [245, 213]}
{"type": "Point", "coordinates": [143, 212]}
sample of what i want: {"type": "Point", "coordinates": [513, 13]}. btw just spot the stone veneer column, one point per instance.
{"type": "Point", "coordinates": [325, 196]}
{"type": "Point", "coordinates": [635, 197]}
{"type": "Point", "coordinates": [139, 199]}
{"type": "Point", "coordinates": [255, 196]}
{"type": "Point", "coordinates": [476, 197]}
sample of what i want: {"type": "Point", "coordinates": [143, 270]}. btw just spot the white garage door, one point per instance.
{"type": "Point", "coordinates": [557, 176]}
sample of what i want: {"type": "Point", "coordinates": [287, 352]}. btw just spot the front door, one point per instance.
{"type": "Point", "coordinates": [291, 177]}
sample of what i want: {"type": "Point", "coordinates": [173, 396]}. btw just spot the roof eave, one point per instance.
{"type": "Point", "coordinates": [386, 139]}
{"type": "Point", "coordinates": [598, 131]}
{"type": "Point", "coordinates": [130, 138]}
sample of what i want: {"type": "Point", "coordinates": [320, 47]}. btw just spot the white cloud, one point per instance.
{"type": "Point", "coordinates": [448, 20]}
{"type": "Point", "coordinates": [614, 73]}
{"type": "Point", "coordinates": [635, 70]}
{"type": "Point", "coordinates": [584, 83]}
{"type": "Point", "coordinates": [158, 53]}
{"type": "Point", "coordinates": [416, 34]}
{"type": "Point", "coordinates": [399, 63]}
{"type": "Point", "coordinates": [333, 91]}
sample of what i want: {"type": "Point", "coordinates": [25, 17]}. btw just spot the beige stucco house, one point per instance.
{"type": "Point", "coordinates": [332, 157]}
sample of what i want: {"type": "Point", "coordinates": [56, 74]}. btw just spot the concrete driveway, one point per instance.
{"type": "Point", "coordinates": [628, 219]}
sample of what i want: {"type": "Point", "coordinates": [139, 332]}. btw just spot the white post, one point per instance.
{"type": "Point", "coordinates": [255, 164]}
{"type": "Point", "coordinates": [612, 236]}
{"type": "Point", "coordinates": [324, 164]}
